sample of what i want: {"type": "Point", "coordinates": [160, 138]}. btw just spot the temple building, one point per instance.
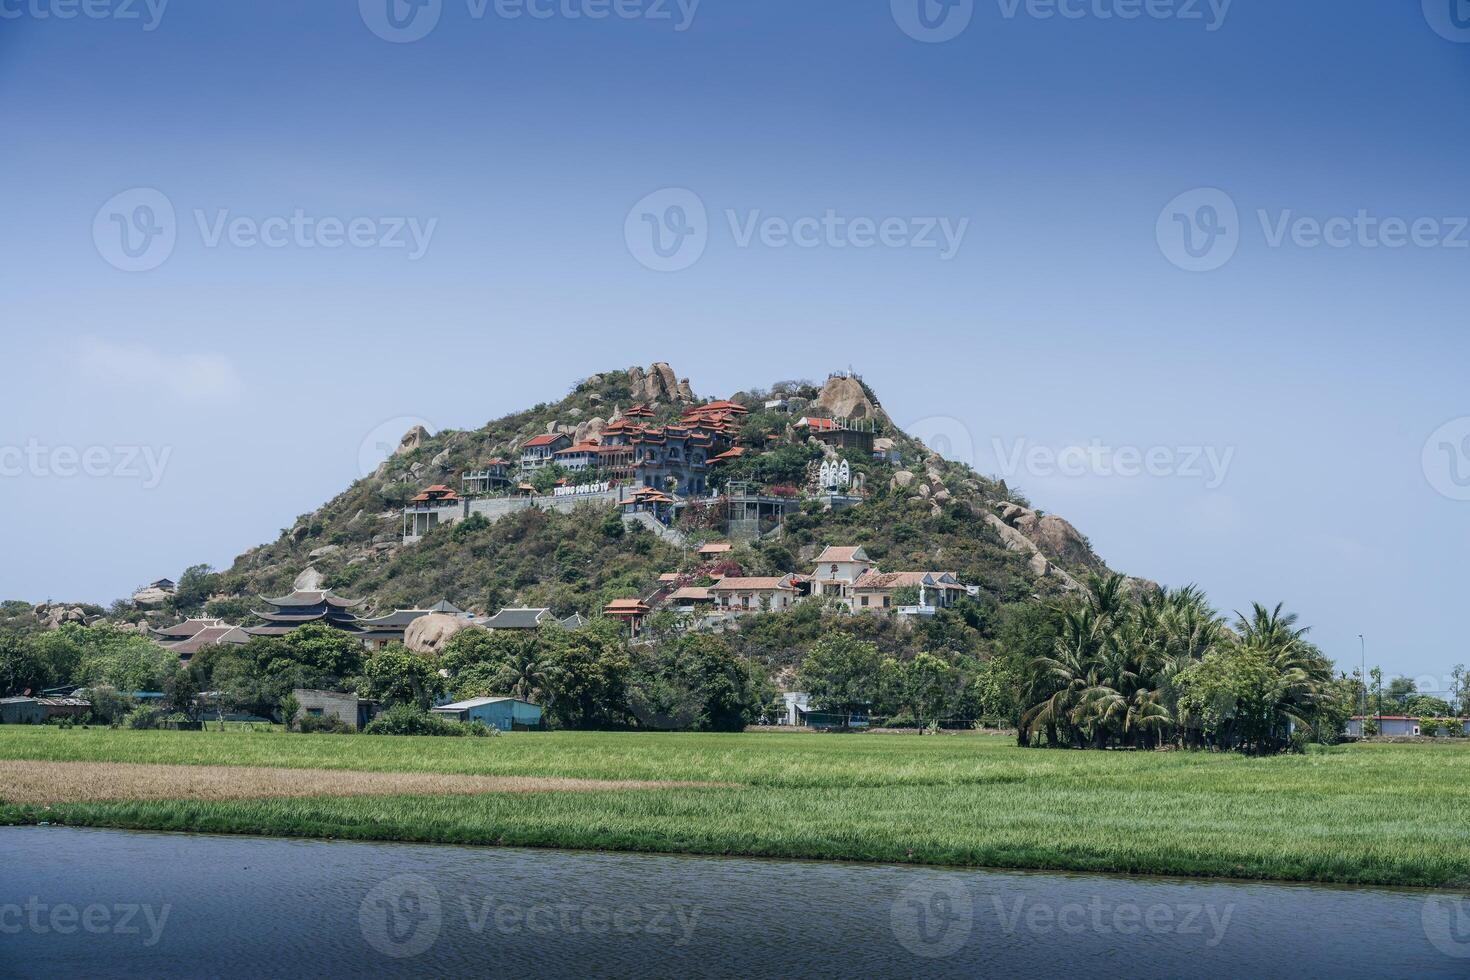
{"type": "Point", "coordinates": [582, 456]}
{"type": "Point", "coordinates": [192, 635]}
{"type": "Point", "coordinates": [840, 433]}
{"type": "Point", "coordinates": [631, 612]}
{"type": "Point", "coordinates": [491, 476]}
{"type": "Point", "coordinates": [299, 608]}
{"type": "Point", "coordinates": [436, 505]}
{"type": "Point", "coordinates": [539, 451]}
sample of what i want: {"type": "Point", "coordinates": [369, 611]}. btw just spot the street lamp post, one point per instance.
{"type": "Point", "coordinates": [1363, 676]}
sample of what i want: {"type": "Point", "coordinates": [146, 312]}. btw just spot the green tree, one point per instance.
{"type": "Point", "coordinates": [22, 667]}
{"type": "Point", "coordinates": [841, 673]}
{"type": "Point", "coordinates": [395, 675]}
{"type": "Point", "coordinates": [586, 678]}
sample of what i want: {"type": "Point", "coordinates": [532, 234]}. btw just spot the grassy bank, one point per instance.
{"type": "Point", "coordinates": [1387, 814]}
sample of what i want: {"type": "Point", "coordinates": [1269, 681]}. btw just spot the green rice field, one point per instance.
{"type": "Point", "coordinates": [1372, 813]}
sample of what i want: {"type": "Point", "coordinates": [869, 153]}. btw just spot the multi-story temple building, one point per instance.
{"type": "Point", "coordinates": [491, 476]}
{"type": "Point", "coordinates": [299, 608]}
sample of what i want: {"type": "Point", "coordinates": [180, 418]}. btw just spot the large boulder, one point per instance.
{"type": "Point", "coordinates": [1063, 543]}
{"type": "Point", "coordinates": [844, 397]}
{"type": "Point", "coordinates": [150, 598]}
{"type": "Point", "coordinates": [659, 384]}
{"type": "Point", "coordinates": [902, 478]}
{"type": "Point", "coordinates": [56, 616]}
{"type": "Point", "coordinates": [310, 580]}
{"type": "Point", "coordinates": [412, 439]}
{"type": "Point", "coordinates": [428, 634]}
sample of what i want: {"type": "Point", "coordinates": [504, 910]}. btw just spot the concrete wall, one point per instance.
{"type": "Point", "coordinates": [329, 704]}
{"type": "Point", "coordinates": [494, 508]}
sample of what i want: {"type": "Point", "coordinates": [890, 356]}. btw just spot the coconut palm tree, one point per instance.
{"type": "Point", "coordinates": [523, 673]}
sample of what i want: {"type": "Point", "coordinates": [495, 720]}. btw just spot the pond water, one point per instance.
{"type": "Point", "coordinates": [80, 902]}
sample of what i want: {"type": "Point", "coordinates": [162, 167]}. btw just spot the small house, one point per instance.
{"type": "Point", "coordinates": [506, 714]}
{"type": "Point", "coordinates": [629, 611]}
{"type": "Point", "coordinates": [38, 711]}
{"type": "Point", "coordinates": [736, 595]}
{"type": "Point", "coordinates": [837, 569]}
{"type": "Point", "coordinates": [348, 708]}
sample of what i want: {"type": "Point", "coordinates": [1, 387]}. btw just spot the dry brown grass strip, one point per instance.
{"type": "Point", "coordinates": [24, 781]}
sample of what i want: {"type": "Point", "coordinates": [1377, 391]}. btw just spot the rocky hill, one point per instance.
{"type": "Point", "coordinates": [920, 511]}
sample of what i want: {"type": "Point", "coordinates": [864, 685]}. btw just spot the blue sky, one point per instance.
{"type": "Point", "coordinates": [496, 175]}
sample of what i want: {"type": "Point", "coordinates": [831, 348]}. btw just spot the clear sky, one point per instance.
{"type": "Point", "coordinates": [243, 238]}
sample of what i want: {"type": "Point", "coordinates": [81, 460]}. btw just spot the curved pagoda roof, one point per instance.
{"type": "Point", "coordinates": [323, 597]}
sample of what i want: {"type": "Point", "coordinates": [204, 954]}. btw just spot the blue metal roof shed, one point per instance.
{"type": "Point", "coordinates": [506, 714]}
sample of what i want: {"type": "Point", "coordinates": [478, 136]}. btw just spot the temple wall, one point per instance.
{"type": "Point", "coordinates": [494, 508]}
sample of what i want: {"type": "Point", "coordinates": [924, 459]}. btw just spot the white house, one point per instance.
{"type": "Point", "coordinates": [837, 569]}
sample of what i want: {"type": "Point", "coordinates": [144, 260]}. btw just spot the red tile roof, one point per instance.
{"type": "Point", "coordinates": [545, 439]}
{"type": "Point", "coordinates": [579, 448]}
{"type": "Point", "coordinates": [766, 584]}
